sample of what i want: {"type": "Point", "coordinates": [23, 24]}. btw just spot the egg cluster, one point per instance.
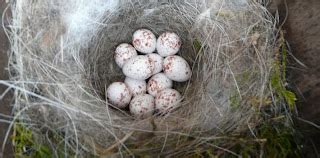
{"type": "Point", "coordinates": [148, 86]}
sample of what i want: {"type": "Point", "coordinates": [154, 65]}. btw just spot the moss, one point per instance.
{"type": "Point", "coordinates": [281, 141]}
{"type": "Point", "coordinates": [278, 76]}
{"type": "Point", "coordinates": [281, 138]}
{"type": "Point", "coordinates": [25, 145]}
{"type": "Point", "coordinates": [197, 46]}
{"type": "Point", "coordinates": [235, 100]}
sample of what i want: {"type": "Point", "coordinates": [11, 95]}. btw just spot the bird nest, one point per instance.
{"type": "Point", "coordinates": [62, 62]}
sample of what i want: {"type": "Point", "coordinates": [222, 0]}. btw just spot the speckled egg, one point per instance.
{"type": "Point", "coordinates": [142, 106]}
{"type": "Point", "coordinates": [144, 41]}
{"type": "Point", "coordinates": [123, 53]}
{"type": "Point", "coordinates": [176, 68]}
{"type": "Point", "coordinates": [158, 62]}
{"type": "Point", "coordinates": [140, 67]}
{"type": "Point", "coordinates": [168, 43]}
{"type": "Point", "coordinates": [167, 100]}
{"type": "Point", "coordinates": [136, 86]}
{"type": "Point", "coordinates": [158, 83]}
{"type": "Point", "coordinates": [118, 94]}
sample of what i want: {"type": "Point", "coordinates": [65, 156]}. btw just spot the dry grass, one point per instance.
{"type": "Point", "coordinates": [61, 62]}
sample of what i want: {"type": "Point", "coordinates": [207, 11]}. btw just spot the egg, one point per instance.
{"type": "Point", "coordinates": [167, 100]}
{"type": "Point", "coordinates": [168, 43]}
{"type": "Point", "coordinates": [140, 67]}
{"type": "Point", "coordinates": [158, 83]}
{"type": "Point", "coordinates": [158, 62]}
{"type": "Point", "coordinates": [123, 53]}
{"type": "Point", "coordinates": [118, 94]}
{"type": "Point", "coordinates": [136, 86]}
{"type": "Point", "coordinates": [176, 68]}
{"type": "Point", "coordinates": [144, 41]}
{"type": "Point", "coordinates": [142, 106]}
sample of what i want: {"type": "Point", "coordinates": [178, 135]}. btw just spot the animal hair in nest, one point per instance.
{"type": "Point", "coordinates": [62, 61]}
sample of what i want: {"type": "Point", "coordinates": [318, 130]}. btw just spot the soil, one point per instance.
{"type": "Point", "coordinates": [5, 102]}
{"type": "Point", "coordinates": [302, 28]}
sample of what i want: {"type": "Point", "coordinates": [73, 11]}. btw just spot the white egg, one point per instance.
{"type": "Point", "coordinates": [123, 53]}
{"type": "Point", "coordinates": [158, 83]}
{"type": "Point", "coordinates": [142, 106]}
{"type": "Point", "coordinates": [144, 41]}
{"type": "Point", "coordinates": [140, 67]}
{"type": "Point", "coordinates": [168, 43]}
{"type": "Point", "coordinates": [118, 94]}
{"type": "Point", "coordinates": [158, 62]}
{"type": "Point", "coordinates": [167, 100]}
{"type": "Point", "coordinates": [176, 68]}
{"type": "Point", "coordinates": [136, 86]}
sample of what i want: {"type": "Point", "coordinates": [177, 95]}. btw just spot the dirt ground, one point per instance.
{"type": "Point", "coordinates": [4, 103]}
{"type": "Point", "coordinates": [303, 34]}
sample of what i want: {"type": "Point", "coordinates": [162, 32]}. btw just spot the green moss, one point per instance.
{"type": "Point", "coordinates": [25, 146]}
{"type": "Point", "coordinates": [235, 100]}
{"type": "Point", "coordinates": [281, 140]}
{"type": "Point", "coordinates": [278, 77]}
{"type": "Point", "coordinates": [197, 45]}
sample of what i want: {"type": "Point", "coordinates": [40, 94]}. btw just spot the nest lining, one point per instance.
{"type": "Point", "coordinates": [62, 59]}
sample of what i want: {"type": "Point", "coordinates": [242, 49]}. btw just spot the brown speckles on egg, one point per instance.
{"type": "Point", "coordinates": [122, 96]}
{"type": "Point", "coordinates": [146, 33]}
{"type": "Point", "coordinates": [167, 66]}
{"type": "Point", "coordinates": [144, 41]}
{"type": "Point", "coordinates": [139, 68]}
{"type": "Point", "coordinates": [157, 83]}
{"type": "Point", "coordinates": [118, 94]}
{"type": "Point", "coordinates": [168, 43]}
{"type": "Point", "coordinates": [176, 68]}
{"type": "Point", "coordinates": [157, 62]}
{"type": "Point", "coordinates": [170, 58]}
{"type": "Point", "coordinates": [136, 87]}
{"type": "Point", "coordinates": [153, 84]}
{"type": "Point", "coordinates": [137, 42]}
{"type": "Point", "coordinates": [123, 53]}
{"type": "Point", "coordinates": [142, 106]}
{"type": "Point", "coordinates": [166, 100]}
{"type": "Point", "coordinates": [150, 61]}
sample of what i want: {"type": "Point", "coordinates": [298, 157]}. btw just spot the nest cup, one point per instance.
{"type": "Point", "coordinates": [228, 44]}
